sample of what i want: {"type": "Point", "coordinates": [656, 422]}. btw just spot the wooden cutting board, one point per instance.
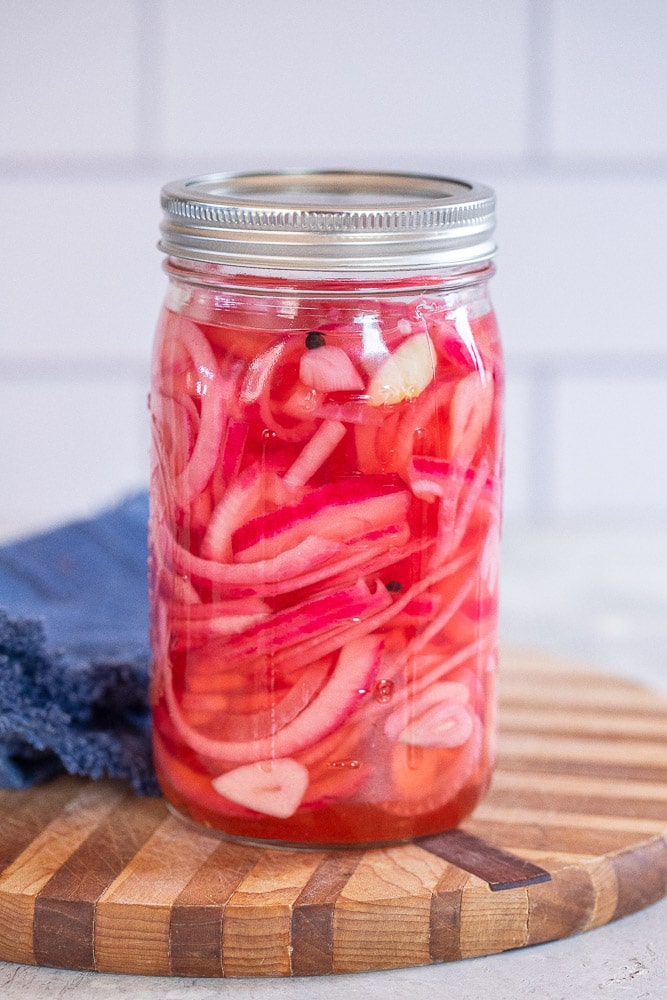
{"type": "Point", "coordinates": [572, 835]}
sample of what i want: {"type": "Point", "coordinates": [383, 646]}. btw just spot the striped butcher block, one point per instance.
{"type": "Point", "coordinates": [573, 834]}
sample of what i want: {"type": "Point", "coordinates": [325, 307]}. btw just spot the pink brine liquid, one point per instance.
{"type": "Point", "coordinates": [325, 516]}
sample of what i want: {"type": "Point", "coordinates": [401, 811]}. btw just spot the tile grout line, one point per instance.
{"type": "Point", "coordinates": [528, 167]}
{"type": "Point", "coordinates": [539, 84]}
{"type": "Point", "coordinates": [148, 61]}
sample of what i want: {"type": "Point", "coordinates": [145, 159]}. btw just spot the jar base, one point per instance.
{"type": "Point", "coordinates": [413, 827]}
{"type": "Point", "coordinates": [286, 845]}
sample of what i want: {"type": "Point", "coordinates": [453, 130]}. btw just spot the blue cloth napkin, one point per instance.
{"type": "Point", "coordinates": [74, 652]}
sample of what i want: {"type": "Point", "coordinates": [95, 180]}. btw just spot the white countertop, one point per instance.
{"type": "Point", "coordinates": [597, 595]}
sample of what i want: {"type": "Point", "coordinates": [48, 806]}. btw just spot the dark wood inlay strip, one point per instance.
{"type": "Point", "coordinates": [313, 914]}
{"type": "Point", "coordinates": [197, 915]}
{"type": "Point", "coordinates": [641, 875]}
{"type": "Point", "coordinates": [499, 869]}
{"type": "Point", "coordinates": [561, 907]}
{"type": "Point", "coordinates": [445, 920]}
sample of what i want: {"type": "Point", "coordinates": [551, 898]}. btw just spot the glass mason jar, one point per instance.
{"type": "Point", "coordinates": [325, 505]}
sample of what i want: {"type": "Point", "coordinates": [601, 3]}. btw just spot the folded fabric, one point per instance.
{"type": "Point", "coordinates": [74, 652]}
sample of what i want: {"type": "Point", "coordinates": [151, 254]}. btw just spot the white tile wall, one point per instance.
{"type": "Point", "coordinates": [518, 493]}
{"type": "Point", "coordinates": [561, 105]}
{"type": "Point", "coordinates": [69, 445]}
{"type": "Point", "coordinates": [81, 277]}
{"type": "Point", "coordinates": [609, 94]}
{"type": "Point", "coordinates": [610, 454]}
{"type": "Point", "coordinates": [581, 267]}
{"type": "Point", "coordinates": [68, 73]}
{"type": "Point", "coordinates": [298, 82]}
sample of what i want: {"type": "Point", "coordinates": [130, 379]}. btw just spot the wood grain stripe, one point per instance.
{"type": "Point", "coordinates": [532, 669]}
{"type": "Point", "coordinates": [643, 812]}
{"type": "Point", "coordinates": [92, 877]}
{"type": "Point", "coordinates": [558, 784]}
{"type": "Point", "coordinates": [21, 882]}
{"type": "Point", "coordinates": [64, 920]}
{"type": "Point", "coordinates": [573, 765]}
{"type": "Point", "coordinates": [257, 926]}
{"type": "Point", "coordinates": [559, 703]}
{"type": "Point", "coordinates": [585, 724]}
{"type": "Point", "coordinates": [491, 926]}
{"type": "Point", "coordinates": [197, 915]}
{"type": "Point", "coordinates": [133, 914]}
{"type": "Point", "coordinates": [641, 801]}
{"type": "Point", "coordinates": [313, 914]}
{"type": "Point", "coordinates": [605, 888]}
{"type": "Point", "coordinates": [643, 752]}
{"type": "Point", "coordinates": [383, 912]}
{"type": "Point", "coordinates": [585, 821]}
{"type": "Point", "coordinates": [579, 693]}
{"type": "Point", "coordinates": [551, 836]}
{"type": "Point", "coordinates": [24, 815]}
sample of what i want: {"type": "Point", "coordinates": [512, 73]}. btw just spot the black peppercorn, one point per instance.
{"type": "Point", "coordinates": [315, 339]}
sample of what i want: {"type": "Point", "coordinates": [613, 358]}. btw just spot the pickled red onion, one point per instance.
{"type": "Point", "coordinates": [353, 673]}
{"type": "Point", "coordinates": [313, 455]}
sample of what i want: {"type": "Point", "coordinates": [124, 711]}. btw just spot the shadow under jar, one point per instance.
{"type": "Point", "coordinates": [325, 505]}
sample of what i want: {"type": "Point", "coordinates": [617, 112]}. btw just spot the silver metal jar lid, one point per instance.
{"type": "Point", "coordinates": [328, 220]}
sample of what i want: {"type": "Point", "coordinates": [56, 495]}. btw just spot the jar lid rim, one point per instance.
{"type": "Point", "coordinates": [340, 219]}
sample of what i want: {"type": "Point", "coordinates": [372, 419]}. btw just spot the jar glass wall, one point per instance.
{"type": "Point", "coordinates": [324, 532]}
